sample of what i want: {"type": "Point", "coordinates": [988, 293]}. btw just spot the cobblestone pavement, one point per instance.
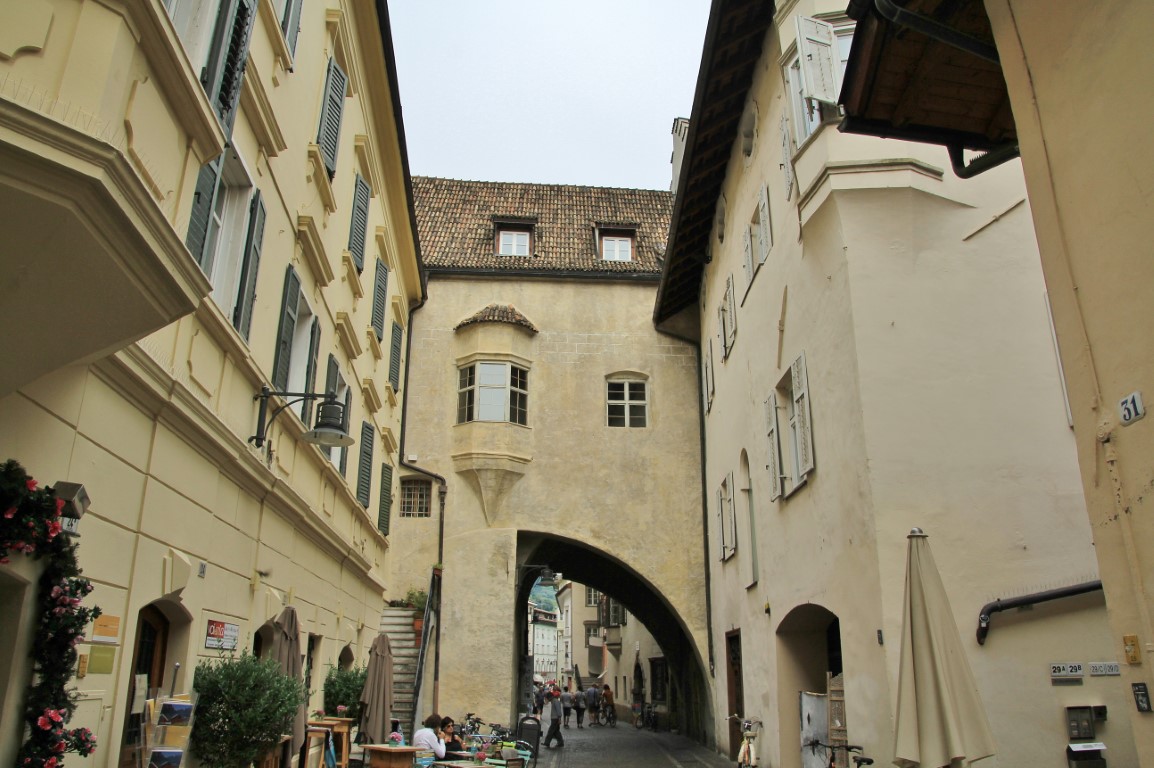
{"type": "Point", "coordinates": [628, 747]}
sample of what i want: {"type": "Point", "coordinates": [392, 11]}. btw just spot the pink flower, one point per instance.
{"type": "Point", "coordinates": [50, 762]}
{"type": "Point", "coordinates": [59, 746]}
{"type": "Point", "coordinates": [54, 527]}
{"type": "Point", "coordinates": [31, 484]}
{"type": "Point", "coordinates": [44, 723]}
{"type": "Point", "coordinates": [10, 513]}
{"type": "Point", "coordinates": [59, 506]}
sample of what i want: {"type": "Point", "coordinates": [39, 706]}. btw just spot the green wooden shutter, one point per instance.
{"type": "Point", "coordinates": [359, 225]}
{"type": "Point", "coordinates": [380, 299]}
{"type": "Point", "coordinates": [224, 71]}
{"type": "Point", "coordinates": [202, 203]}
{"type": "Point", "coordinates": [332, 375]}
{"type": "Point", "coordinates": [332, 108]}
{"type": "Point", "coordinates": [345, 426]}
{"type": "Point", "coordinates": [365, 465]}
{"type": "Point", "coordinates": [311, 370]}
{"type": "Point", "coordinates": [395, 358]}
{"type": "Point", "coordinates": [290, 304]}
{"type": "Point", "coordinates": [385, 510]}
{"type": "Point", "coordinates": [291, 23]}
{"type": "Point", "coordinates": [246, 291]}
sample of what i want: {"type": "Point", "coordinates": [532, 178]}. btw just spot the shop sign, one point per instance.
{"type": "Point", "coordinates": [221, 635]}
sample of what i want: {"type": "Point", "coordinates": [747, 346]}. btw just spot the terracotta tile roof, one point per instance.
{"type": "Point", "coordinates": [456, 220]}
{"type": "Point", "coordinates": [498, 313]}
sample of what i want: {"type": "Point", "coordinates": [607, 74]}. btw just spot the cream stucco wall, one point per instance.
{"type": "Point", "coordinates": [1067, 71]}
{"type": "Point", "coordinates": [187, 514]}
{"type": "Point", "coordinates": [629, 495]}
{"type": "Point", "coordinates": [918, 303]}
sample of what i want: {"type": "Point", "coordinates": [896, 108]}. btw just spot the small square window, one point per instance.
{"type": "Point", "coordinates": [626, 404]}
{"type": "Point", "coordinates": [415, 498]}
{"type": "Point", "coordinates": [617, 247]}
{"type": "Point", "coordinates": [513, 242]}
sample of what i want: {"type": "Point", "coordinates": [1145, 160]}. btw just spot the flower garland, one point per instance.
{"type": "Point", "coordinates": [30, 523]}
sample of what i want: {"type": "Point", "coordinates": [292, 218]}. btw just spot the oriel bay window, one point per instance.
{"type": "Point", "coordinates": [492, 391]}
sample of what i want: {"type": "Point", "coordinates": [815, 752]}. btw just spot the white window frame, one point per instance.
{"type": "Point", "coordinates": [727, 317]}
{"type": "Point", "coordinates": [628, 401]}
{"type": "Point", "coordinates": [592, 597]}
{"type": "Point", "coordinates": [616, 247]}
{"type": "Point", "coordinates": [514, 242]}
{"type": "Point", "coordinates": [707, 372]}
{"type": "Point", "coordinates": [483, 390]}
{"type": "Point", "coordinates": [228, 230]}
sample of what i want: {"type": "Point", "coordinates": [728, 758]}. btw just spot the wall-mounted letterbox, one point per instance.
{"type": "Point", "coordinates": [1086, 755]}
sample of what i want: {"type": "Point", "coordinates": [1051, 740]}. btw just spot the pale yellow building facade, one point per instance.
{"type": "Point", "coordinates": [220, 190]}
{"type": "Point", "coordinates": [877, 356]}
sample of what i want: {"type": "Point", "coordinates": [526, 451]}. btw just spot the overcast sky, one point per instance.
{"type": "Point", "coordinates": [546, 91]}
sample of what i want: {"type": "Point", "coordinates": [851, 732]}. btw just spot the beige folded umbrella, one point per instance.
{"type": "Point", "coordinates": [286, 649]}
{"type": "Point", "coordinates": [377, 695]}
{"type": "Point", "coordinates": [940, 719]}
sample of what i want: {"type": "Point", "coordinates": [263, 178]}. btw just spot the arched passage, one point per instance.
{"type": "Point", "coordinates": [587, 565]}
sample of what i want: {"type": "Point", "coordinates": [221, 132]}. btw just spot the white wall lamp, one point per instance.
{"type": "Point", "coordinates": [329, 430]}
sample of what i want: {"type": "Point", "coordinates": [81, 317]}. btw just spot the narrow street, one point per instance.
{"type": "Point", "coordinates": [627, 747]}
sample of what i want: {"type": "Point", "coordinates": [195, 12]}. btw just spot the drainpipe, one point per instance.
{"type": "Point", "coordinates": [443, 491]}
{"type": "Point", "coordinates": [988, 609]}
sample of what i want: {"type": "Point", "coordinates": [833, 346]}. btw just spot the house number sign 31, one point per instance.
{"type": "Point", "coordinates": [1130, 408]}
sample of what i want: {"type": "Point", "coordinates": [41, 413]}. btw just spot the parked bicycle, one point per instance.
{"type": "Point", "coordinates": [747, 754]}
{"type": "Point", "coordinates": [851, 751]}
{"type": "Point", "coordinates": [650, 717]}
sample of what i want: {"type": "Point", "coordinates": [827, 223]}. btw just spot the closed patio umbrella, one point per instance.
{"type": "Point", "coordinates": [286, 650]}
{"type": "Point", "coordinates": [377, 695]}
{"type": "Point", "coordinates": [940, 719]}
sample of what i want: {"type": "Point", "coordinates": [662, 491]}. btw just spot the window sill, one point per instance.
{"type": "Point", "coordinates": [320, 177]}
{"type": "Point", "coordinates": [275, 34]}
{"type": "Point", "coordinates": [313, 249]}
{"type": "Point", "coordinates": [352, 275]}
{"type": "Point", "coordinates": [785, 494]}
{"type": "Point", "coordinates": [372, 398]}
{"type": "Point", "coordinates": [348, 337]}
{"type": "Point", "coordinates": [374, 343]}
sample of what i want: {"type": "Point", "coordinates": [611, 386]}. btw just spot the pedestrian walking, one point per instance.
{"type": "Point", "coordinates": [566, 705]}
{"type": "Point", "coordinates": [538, 698]}
{"type": "Point", "coordinates": [553, 705]}
{"type": "Point", "coordinates": [579, 705]}
{"type": "Point", "coordinates": [592, 703]}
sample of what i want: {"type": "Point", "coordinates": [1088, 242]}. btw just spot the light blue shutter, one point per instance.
{"type": "Point", "coordinates": [773, 465]}
{"type": "Point", "coordinates": [801, 409]}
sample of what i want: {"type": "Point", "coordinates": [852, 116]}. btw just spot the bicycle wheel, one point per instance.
{"type": "Point", "coordinates": [639, 720]}
{"type": "Point", "coordinates": [612, 718]}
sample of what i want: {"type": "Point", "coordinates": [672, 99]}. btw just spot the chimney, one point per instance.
{"type": "Point", "coordinates": [680, 134]}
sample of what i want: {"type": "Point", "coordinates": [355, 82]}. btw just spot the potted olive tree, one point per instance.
{"type": "Point", "coordinates": [244, 707]}
{"type": "Point", "coordinates": [417, 599]}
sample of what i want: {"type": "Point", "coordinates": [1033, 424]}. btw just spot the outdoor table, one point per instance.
{"type": "Point", "coordinates": [314, 732]}
{"type": "Point", "coordinates": [387, 756]}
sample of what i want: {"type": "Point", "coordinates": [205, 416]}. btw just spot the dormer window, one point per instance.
{"type": "Point", "coordinates": [513, 237]}
{"type": "Point", "coordinates": [616, 248]}
{"type": "Point", "coordinates": [513, 243]}
{"type": "Point", "coordinates": [615, 244]}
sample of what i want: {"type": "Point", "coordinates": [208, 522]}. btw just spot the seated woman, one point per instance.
{"type": "Point", "coordinates": [430, 737]}
{"type": "Point", "coordinates": [452, 743]}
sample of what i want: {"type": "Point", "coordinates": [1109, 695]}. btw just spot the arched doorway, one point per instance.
{"type": "Point", "coordinates": [149, 650]}
{"type": "Point", "coordinates": [809, 672]}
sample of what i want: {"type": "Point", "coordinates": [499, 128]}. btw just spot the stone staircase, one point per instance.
{"type": "Point", "coordinates": [397, 623]}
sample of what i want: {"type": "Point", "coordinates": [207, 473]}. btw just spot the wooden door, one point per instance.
{"type": "Point", "coordinates": [147, 659]}
{"type": "Point", "coordinates": [735, 678]}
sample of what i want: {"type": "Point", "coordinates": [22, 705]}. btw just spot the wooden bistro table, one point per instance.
{"type": "Point", "coordinates": [387, 756]}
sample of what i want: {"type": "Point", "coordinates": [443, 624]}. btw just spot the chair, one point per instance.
{"type": "Point", "coordinates": [529, 731]}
